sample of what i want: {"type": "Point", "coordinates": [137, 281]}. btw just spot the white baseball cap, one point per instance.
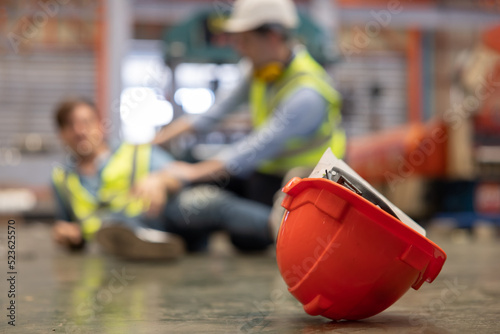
{"type": "Point", "coordinates": [251, 14]}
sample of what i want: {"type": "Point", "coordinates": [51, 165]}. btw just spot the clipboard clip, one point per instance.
{"type": "Point", "coordinates": [350, 182]}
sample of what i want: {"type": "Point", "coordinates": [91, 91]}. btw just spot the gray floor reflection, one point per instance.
{"type": "Point", "coordinates": [88, 293]}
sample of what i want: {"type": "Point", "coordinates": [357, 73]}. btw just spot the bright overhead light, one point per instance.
{"type": "Point", "coordinates": [194, 100]}
{"type": "Point", "coordinates": [141, 110]}
{"type": "Point", "coordinates": [141, 105]}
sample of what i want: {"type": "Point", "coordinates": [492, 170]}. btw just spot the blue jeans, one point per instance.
{"type": "Point", "coordinates": [196, 212]}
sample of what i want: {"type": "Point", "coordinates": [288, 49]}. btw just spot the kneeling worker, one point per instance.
{"type": "Point", "coordinates": [295, 111]}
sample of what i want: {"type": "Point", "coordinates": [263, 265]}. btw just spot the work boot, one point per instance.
{"type": "Point", "coordinates": [140, 243]}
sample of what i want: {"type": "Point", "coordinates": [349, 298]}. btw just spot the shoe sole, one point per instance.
{"type": "Point", "coordinates": [122, 242]}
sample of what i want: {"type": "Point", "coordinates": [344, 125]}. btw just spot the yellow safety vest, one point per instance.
{"type": "Point", "coordinates": [303, 71]}
{"type": "Point", "coordinates": [125, 167]}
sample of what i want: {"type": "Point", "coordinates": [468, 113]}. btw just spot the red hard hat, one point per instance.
{"type": "Point", "coordinates": [343, 257]}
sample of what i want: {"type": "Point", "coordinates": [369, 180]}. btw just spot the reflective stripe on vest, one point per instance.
{"type": "Point", "coordinates": [303, 71]}
{"type": "Point", "coordinates": [127, 165]}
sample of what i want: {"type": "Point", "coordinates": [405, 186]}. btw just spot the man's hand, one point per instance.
{"type": "Point", "coordinates": [67, 234]}
{"type": "Point", "coordinates": [155, 186]}
{"type": "Point", "coordinates": [154, 189]}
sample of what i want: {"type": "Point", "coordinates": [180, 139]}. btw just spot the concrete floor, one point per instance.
{"type": "Point", "coordinates": [227, 293]}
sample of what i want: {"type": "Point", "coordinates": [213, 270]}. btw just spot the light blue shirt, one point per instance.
{"type": "Point", "coordinates": [298, 115]}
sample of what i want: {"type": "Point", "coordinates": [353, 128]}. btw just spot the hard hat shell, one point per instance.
{"type": "Point", "coordinates": [251, 14]}
{"type": "Point", "coordinates": [343, 257]}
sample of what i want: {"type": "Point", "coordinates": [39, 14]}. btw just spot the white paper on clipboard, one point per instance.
{"type": "Point", "coordinates": [329, 160]}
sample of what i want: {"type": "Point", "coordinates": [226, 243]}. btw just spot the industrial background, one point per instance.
{"type": "Point", "coordinates": [411, 73]}
{"type": "Point", "coordinates": [420, 81]}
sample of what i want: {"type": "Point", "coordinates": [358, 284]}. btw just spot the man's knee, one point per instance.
{"type": "Point", "coordinates": [200, 197]}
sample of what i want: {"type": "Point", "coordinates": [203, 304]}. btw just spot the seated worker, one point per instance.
{"type": "Point", "coordinates": [118, 195]}
{"type": "Point", "coordinates": [295, 111]}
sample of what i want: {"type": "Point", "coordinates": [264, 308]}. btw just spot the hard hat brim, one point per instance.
{"type": "Point", "coordinates": [248, 15]}
{"type": "Point", "coordinates": [241, 25]}
{"type": "Point", "coordinates": [237, 25]}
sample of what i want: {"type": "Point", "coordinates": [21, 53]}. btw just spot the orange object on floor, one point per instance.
{"type": "Point", "coordinates": [412, 149]}
{"type": "Point", "coordinates": [343, 257]}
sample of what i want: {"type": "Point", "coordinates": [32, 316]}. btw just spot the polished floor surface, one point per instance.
{"type": "Point", "coordinates": [223, 292]}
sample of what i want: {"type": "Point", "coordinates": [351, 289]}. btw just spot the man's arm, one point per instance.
{"type": "Point", "coordinates": [207, 120]}
{"type": "Point", "coordinates": [65, 232]}
{"type": "Point", "coordinates": [300, 115]}
{"type": "Point", "coordinates": [173, 130]}
{"type": "Point", "coordinates": [156, 187]}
